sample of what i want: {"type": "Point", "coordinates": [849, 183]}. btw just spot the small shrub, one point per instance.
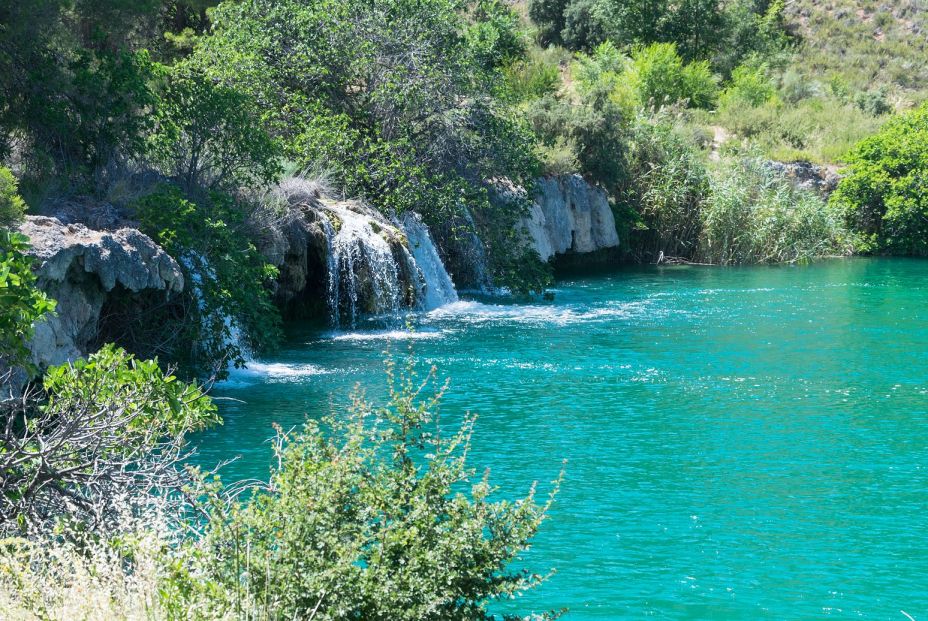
{"type": "Point", "coordinates": [375, 514]}
{"type": "Point", "coordinates": [874, 103]}
{"type": "Point", "coordinates": [750, 84]}
{"type": "Point", "coordinates": [12, 206]}
{"type": "Point", "coordinates": [534, 77]}
{"type": "Point", "coordinates": [661, 78]}
{"type": "Point", "coordinates": [109, 429]}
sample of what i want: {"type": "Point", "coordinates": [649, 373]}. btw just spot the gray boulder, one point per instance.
{"type": "Point", "coordinates": [80, 267]}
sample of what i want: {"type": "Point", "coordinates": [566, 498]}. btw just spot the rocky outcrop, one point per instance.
{"type": "Point", "coordinates": [568, 216]}
{"type": "Point", "coordinates": [807, 176]}
{"type": "Point", "coordinates": [81, 268]}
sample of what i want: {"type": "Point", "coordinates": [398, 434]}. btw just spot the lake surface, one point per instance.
{"type": "Point", "coordinates": [745, 443]}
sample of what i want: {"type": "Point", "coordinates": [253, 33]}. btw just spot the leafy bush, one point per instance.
{"type": "Point", "coordinates": [12, 206]}
{"type": "Point", "coordinates": [883, 192]}
{"type": "Point", "coordinates": [752, 215]}
{"type": "Point", "coordinates": [535, 76]}
{"type": "Point", "coordinates": [108, 430]}
{"type": "Point", "coordinates": [229, 308]}
{"type": "Point", "coordinates": [751, 84]}
{"type": "Point", "coordinates": [655, 76]}
{"type": "Point", "coordinates": [375, 514]}
{"type": "Point", "coordinates": [21, 303]}
{"type": "Point", "coordinates": [371, 514]}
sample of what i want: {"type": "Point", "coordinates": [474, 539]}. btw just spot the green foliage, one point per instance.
{"type": "Point", "coordinates": [753, 215]}
{"type": "Point", "coordinates": [721, 32]}
{"type": "Point", "coordinates": [105, 435]}
{"type": "Point", "coordinates": [12, 206]}
{"type": "Point", "coordinates": [229, 279]}
{"type": "Point", "coordinates": [209, 135]}
{"type": "Point", "coordinates": [401, 135]}
{"type": "Point", "coordinates": [661, 78]}
{"type": "Point", "coordinates": [72, 85]}
{"type": "Point", "coordinates": [667, 185]}
{"type": "Point", "coordinates": [535, 76]}
{"type": "Point", "coordinates": [882, 193]}
{"type": "Point", "coordinates": [374, 514]}
{"type": "Point", "coordinates": [21, 303]}
{"type": "Point", "coordinates": [112, 379]}
{"type": "Point", "coordinates": [806, 131]}
{"type": "Point", "coordinates": [585, 24]}
{"type": "Point", "coordinates": [548, 16]}
{"type": "Point", "coordinates": [751, 84]}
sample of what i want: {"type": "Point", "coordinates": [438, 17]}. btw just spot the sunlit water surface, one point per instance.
{"type": "Point", "coordinates": [745, 443]}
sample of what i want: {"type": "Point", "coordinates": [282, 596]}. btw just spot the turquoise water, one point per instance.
{"type": "Point", "coordinates": [745, 443]}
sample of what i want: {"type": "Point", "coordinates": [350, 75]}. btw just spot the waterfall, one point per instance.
{"type": "Point", "coordinates": [436, 289]}
{"type": "Point", "coordinates": [364, 269]}
{"type": "Point", "coordinates": [197, 266]}
{"type": "Point", "coordinates": [378, 268]}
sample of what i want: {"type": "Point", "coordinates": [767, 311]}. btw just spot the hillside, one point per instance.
{"type": "Point", "coordinates": [852, 63]}
{"type": "Point", "coordinates": [867, 44]}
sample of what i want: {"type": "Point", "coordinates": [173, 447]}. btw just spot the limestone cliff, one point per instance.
{"type": "Point", "coordinates": [81, 268]}
{"type": "Point", "coordinates": [569, 215]}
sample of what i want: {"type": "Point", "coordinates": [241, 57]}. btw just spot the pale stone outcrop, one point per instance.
{"type": "Point", "coordinates": [567, 215]}
{"type": "Point", "coordinates": [79, 267]}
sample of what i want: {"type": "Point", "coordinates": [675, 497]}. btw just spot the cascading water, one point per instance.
{"type": "Point", "coordinates": [437, 288]}
{"type": "Point", "coordinates": [376, 268]}
{"type": "Point", "coordinates": [197, 267]}
{"type": "Point", "coordinates": [364, 275]}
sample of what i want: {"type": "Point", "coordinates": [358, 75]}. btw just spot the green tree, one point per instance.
{"type": "Point", "coordinates": [210, 135]}
{"type": "Point", "coordinates": [399, 99]}
{"type": "Point", "coordinates": [883, 193]}
{"type": "Point", "coordinates": [73, 82]}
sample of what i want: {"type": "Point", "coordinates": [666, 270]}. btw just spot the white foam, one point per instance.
{"type": "Point", "coordinates": [477, 312]}
{"type": "Point", "coordinates": [274, 372]}
{"type": "Point", "coordinates": [387, 335]}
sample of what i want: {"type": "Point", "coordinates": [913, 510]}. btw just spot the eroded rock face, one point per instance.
{"type": "Point", "coordinates": [80, 267]}
{"type": "Point", "coordinates": [808, 176]}
{"type": "Point", "coordinates": [569, 215]}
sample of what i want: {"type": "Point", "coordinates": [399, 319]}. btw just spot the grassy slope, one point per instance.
{"type": "Point", "coordinates": [869, 44]}
{"type": "Point", "coordinates": [853, 57]}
